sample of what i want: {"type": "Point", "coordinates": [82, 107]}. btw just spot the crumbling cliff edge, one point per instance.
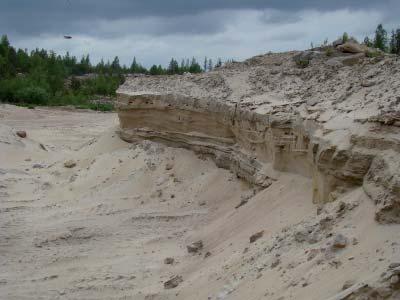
{"type": "Point", "coordinates": [333, 121]}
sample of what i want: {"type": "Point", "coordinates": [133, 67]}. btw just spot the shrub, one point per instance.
{"type": "Point", "coordinates": [303, 62]}
{"type": "Point", "coordinates": [32, 95]}
{"type": "Point", "coordinates": [329, 51]}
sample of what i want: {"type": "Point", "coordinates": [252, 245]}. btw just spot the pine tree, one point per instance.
{"type": "Point", "coordinates": [134, 66]}
{"type": "Point", "coordinates": [381, 38]}
{"type": "Point", "coordinates": [219, 63]}
{"type": "Point", "coordinates": [154, 70]}
{"type": "Point", "coordinates": [205, 64]}
{"type": "Point", "coordinates": [115, 66]}
{"type": "Point", "coordinates": [173, 67]}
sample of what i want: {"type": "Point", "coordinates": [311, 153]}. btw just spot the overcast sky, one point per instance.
{"type": "Point", "coordinates": [156, 30]}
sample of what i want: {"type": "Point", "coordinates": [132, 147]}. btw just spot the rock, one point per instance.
{"type": "Point", "coordinates": [208, 254]}
{"type": "Point", "coordinates": [21, 133]}
{"type": "Point", "coordinates": [348, 284]}
{"type": "Point", "coordinates": [37, 166]}
{"type": "Point", "coordinates": [394, 265]}
{"type": "Point", "coordinates": [340, 242]}
{"type": "Point", "coordinates": [256, 236]}
{"type": "Point", "coordinates": [195, 247]}
{"type": "Point", "coordinates": [169, 166]}
{"type": "Point", "coordinates": [350, 47]}
{"type": "Point", "coordinates": [173, 282]}
{"type": "Point", "coordinates": [337, 42]}
{"type": "Point", "coordinates": [367, 83]}
{"type": "Point", "coordinates": [169, 261]}
{"type": "Point", "coordinates": [394, 280]}
{"type": "Point", "coordinates": [70, 164]}
{"type": "Point", "coordinates": [349, 60]}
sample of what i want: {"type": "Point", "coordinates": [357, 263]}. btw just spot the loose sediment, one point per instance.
{"type": "Point", "coordinates": [233, 116]}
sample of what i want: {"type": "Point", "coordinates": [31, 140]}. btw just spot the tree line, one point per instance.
{"type": "Point", "coordinates": [39, 77]}
{"type": "Point", "coordinates": [383, 41]}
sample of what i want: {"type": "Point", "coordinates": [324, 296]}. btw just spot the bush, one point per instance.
{"type": "Point", "coordinates": [329, 51]}
{"type": "Point", "coordinates": [303, 62]}
{"type": "Point", "coordinates": [32, 95]}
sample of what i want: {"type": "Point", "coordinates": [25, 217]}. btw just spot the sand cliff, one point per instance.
{"type": "Point", "coordinates": [334, 123]}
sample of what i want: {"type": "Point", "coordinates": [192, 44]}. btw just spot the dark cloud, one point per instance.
{"type": "Point", "coordinates": [156, 30]}
{"type": "Point", "coordinates": [26, 17]}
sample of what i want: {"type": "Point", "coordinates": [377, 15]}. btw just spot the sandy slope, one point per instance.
{"type": "Point", "coordinates": [102, 230]}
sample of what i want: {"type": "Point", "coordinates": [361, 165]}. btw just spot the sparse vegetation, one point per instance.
{"type": "Point", "coordinates": [303, 62]}
{"type": "Point", "coordinates": [329, 51]}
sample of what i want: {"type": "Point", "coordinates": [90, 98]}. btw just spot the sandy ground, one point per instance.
{"type": "Point", "coordinates": [102, 229]}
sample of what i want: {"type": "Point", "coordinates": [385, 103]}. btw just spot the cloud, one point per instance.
{"type": "Point", "coordinates": [155, 30]}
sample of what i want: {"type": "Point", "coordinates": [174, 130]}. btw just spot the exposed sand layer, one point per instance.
{"type": "Point", "coordinates": [338, 124]}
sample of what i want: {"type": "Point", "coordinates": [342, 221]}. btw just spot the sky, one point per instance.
{"type": "Point", "coordinates": [153, 31]}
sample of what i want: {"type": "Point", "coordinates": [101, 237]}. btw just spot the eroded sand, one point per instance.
{"type": "Point", "coordinates": [102, 229]}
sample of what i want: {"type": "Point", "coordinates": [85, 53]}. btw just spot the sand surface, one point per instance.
{"type": "Point", "coordinates": [102, 229]}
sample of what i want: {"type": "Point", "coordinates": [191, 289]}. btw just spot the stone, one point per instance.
{"type": "Point", "coordinates": [169, 166]}
{"type": "Point", "coordinates": [350, 47]}
{"type": "Point", "coordinates": [21, 133]}
{"type": "Point", "coordinates": [340, 242]}
{"type": "Point", "coordinates": [173, 282]}
{"type": "Point", "coordinates": [367, 83]}
{"type": "Point", "coordinates": [394, 280]}
{"type": "Point", "coordinates": [195, 247]}
{"type": "Point", "coordinates": [169, 261]}
{"type": "Point", "coordinates": [394, 265]}
{"type": "Point", "coordinates": [37, 166]}
{"type": "Point", "coordinates": [70, 164]}
{"type": "Point", "coordinates": [256, 236]}
{"type": "Point", "coordinates": [337, 42]}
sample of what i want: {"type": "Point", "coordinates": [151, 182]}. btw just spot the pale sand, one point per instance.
{"type": "Point", "coordinates": [102, 230]}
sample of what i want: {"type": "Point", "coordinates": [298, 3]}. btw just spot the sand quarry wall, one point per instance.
{"type": "Point", "coordinates": [254, 146]}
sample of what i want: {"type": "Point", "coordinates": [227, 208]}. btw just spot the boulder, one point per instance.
{"type": "Point", "coordinates": [21, 133]}
{"type": "Point", "coordinates": [195, 247]}
{"type": "Point", "coordinates": [70, 164]}
{"type": "Point", "coordinates": [169, 261]}
{"type": "Point", "coordinates": [348, 60]}
{"type": "Point", "coordinates": [173, 282]}
{"type": "Point", "coordinates": [340, 242]}
{"type": "Point", "coordinates": [256, 236]}
{"type": "Point", "coordinates": [338, 42]}
{"type": "Point", "coordinates": [351, 47]}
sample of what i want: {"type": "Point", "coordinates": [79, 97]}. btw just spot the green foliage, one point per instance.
{"type": "Point", "coordinates": [345, 37]}
{"type": "Point", "coordinates": [329, 51]}
{"type": "Point", "coordinates": [32, 95]}
{"type": "Point", "coordinates": [381, 39]}
{"type": "Point", "coordinates": [303, 63]}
